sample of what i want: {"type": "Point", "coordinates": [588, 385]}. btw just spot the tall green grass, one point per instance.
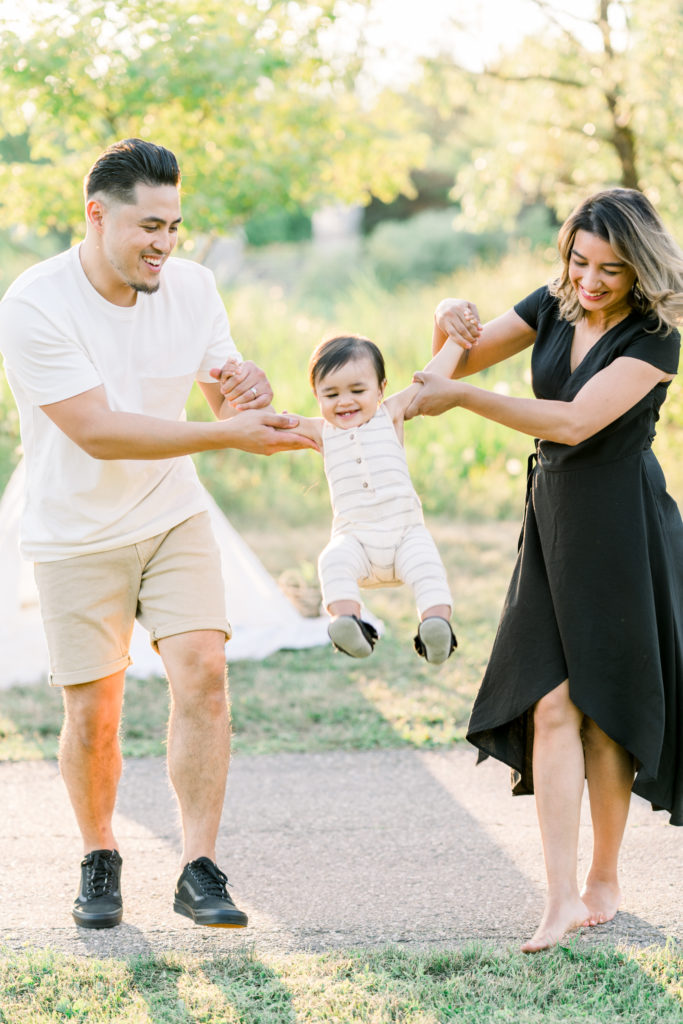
{"type": "Point", "coordinates": [462, 466]}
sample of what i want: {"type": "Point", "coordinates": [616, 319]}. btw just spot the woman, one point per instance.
{"type": "Point", "coordinates": [585, 678]}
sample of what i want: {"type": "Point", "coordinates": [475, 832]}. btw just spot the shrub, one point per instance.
{"type": "Point", "coordinates": [278, 226]}
{"type": "Point", "coordinates": [426, 247]}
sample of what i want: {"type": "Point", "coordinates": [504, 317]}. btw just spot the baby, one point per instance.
{"type": "Point", "coordinates": [378, 534]}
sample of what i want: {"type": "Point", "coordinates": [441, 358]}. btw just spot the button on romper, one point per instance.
{"type": "Point", "coordinates": [378, 534]}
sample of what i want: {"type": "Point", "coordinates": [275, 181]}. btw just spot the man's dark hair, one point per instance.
{"type": "Point", "coordinates": [129, 163]}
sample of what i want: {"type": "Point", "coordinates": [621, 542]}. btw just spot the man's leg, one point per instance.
{"type": "Point", "coordinates": [198, 758]}
{"type": "Point", "coordinates": [90, 763]}
{"type": "Point", "coordinates": [88, 607]}
{"type": "Point", "coordinates": [90, 756]}
{"type": "Point", "coordinates": [198, 735]}
{"type": "Point", "coordinates": [182, 603]}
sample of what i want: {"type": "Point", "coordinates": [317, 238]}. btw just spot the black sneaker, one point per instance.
{"type": "Point", "coordinates": [201, 894]}
{"type": "Point", "coordinates": [99, 903]}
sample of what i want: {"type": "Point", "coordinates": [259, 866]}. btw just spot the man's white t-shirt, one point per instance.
{"type": "Point", "coordinates": [59, 338]}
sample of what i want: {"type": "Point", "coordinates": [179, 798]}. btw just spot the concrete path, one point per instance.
{"type": "Point", "coordinates": [323, 851]}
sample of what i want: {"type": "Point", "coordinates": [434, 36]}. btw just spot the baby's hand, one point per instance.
{"type": "Point", "coordinates": [436, 394]}
{"type": "Point", "coordinates": [459, 320]}
{"type": "Point", "coordinates": [309, 427]}
{"type": "Point", "coordinates": [244, 385]}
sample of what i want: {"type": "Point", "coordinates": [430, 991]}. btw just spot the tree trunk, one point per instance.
{"type": "Point", "coordinates": [624, 142]}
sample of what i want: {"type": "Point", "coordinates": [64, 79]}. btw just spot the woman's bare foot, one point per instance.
{"type": "Point", "coordinates": [602, 900]}
{"type": "Point", "coordinates": [558, 917]}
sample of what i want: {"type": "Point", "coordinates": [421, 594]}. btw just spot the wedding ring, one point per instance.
{"type": "Point", "coordinates": [255, 392]}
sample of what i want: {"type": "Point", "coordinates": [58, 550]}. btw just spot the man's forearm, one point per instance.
{"type": "Point", "coordinates": [127, 435]}
{"type": "Point", "coordinates": [106, 433]}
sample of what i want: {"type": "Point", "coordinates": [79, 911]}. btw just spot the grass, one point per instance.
{"type": "Point", "coordinates": [460, 467]}
{"type": "Point", "coordinates": [470, 986]}
{"type": "Point", "coordinates": [314, 700]}
{"type": "Point", "coordinates": [463, 466]}
{"type": "Point", "coordinates": [470, 477]}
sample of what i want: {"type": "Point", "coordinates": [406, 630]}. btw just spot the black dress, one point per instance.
{"type": "Point", "coordinates": [596, 596]}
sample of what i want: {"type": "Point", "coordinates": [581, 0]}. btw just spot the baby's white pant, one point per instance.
{"type": "Point", "coordinates": [409, 555]}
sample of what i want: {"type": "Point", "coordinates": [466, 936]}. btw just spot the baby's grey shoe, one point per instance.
{"type": "Point", "coordinates": [352, 636]}
{"type": "Point", "coordinates": [435, 640]}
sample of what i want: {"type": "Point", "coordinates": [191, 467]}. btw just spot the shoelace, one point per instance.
{"type": "Point", "coordinates": [100, 876]}
{"type": "Point", "coordinates": [210, 877]}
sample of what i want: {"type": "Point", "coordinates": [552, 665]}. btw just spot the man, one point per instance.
{"type": "Point", "coordinates": [101, 346]}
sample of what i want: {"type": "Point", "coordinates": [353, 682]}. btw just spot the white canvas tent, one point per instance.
{"type": "Point", "coordinates": [262, 619]}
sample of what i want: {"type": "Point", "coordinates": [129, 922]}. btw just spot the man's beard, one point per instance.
{"type": "Point", "coordinates": [146, 289]}
{"type": "Point", "coordinates": [119, 265]}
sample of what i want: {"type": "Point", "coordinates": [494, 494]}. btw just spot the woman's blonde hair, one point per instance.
{"type": "Point", "coordinates": [628, 221]}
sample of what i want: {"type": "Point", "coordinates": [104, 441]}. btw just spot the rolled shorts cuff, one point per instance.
{"type": "Point", "coordinates": [88, 675]}
{"type": "Point", "coordinates": [189, 626]}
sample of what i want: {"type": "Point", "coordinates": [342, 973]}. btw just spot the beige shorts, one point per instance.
{"type": "Point", "coordinates": [171, 583]}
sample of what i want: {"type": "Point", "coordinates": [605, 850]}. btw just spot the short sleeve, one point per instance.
{"type": "Point", "coordinates": [220, 345]}
{"type": "Point", "coordinates": [659, 349]}
{"type": "Point", "coordinates": [531, 307]}
{"type": "Point", "coordinates": [45, 363]}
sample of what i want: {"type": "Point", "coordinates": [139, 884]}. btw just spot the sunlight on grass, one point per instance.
{"type": "Point", "coordinates": [316, 699]}
{"type": "Point", "coordinates": [470, 476]}
{"type": "Point", "coordinates": [428, 717]}
{"type": "Point", "coordinates": [30, 720]}
{"type": "Point", "coordinates": [203, 999]}
{"type": "Point", "coordinates": [474, 985]}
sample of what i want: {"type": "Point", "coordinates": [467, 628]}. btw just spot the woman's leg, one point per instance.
{"type": "Point", "coordinates": [609, 771]}
{"type": "Point", "coordinates": [559, 773]}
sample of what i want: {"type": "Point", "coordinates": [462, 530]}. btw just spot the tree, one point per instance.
{"type": "Point", "coordinates": [261, 114]}
{"type": "Point", "coordinates": [586, 104]}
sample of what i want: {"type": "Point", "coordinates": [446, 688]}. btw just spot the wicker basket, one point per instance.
{"type": "Point", "coordinates": [304, 594]}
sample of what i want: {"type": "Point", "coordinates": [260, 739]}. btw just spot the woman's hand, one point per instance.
{"type": "Point", "coordinates": [436, 394]}
{"type": "Point", "coordinates": [459, 320]}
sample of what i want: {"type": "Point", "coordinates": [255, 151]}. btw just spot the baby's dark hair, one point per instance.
{"type": "Point", "coordinates": [339, 351]}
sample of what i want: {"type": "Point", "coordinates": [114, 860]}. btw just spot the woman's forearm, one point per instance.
{"type": "Point", "coordinates": [602, 399]}
{"type": "Point", "coordinates": [553, 421]}
{"type": "Point", "coordinates": [550, 420]}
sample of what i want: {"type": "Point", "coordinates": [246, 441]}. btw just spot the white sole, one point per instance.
{"type": "Point", "coordinates": [436, 635]}
{"type": "Point", "coordinates": [347, 636]}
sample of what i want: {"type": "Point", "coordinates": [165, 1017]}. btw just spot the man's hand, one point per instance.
{"type": "Point", "coordinates": [244, 385]}
{"type": "Point", "coordinates": [264, 433]}
{"type": "Point", "coordinates": [459, 319]}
